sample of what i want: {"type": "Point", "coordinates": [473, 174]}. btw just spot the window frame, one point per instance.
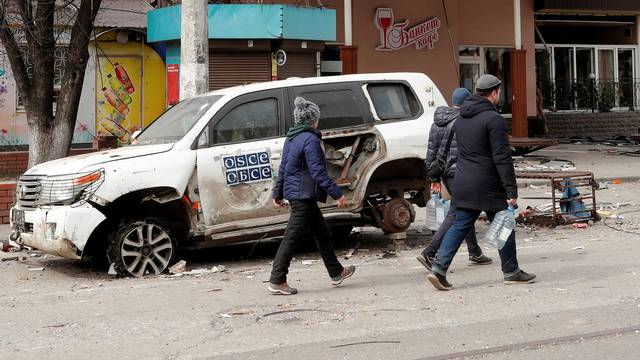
{"type": "Point", "coordinates": [277, 94]}
{"type": "Point", "coordinates": [372, 107]}
{"type": "Point", "coordinates": [354, 86]}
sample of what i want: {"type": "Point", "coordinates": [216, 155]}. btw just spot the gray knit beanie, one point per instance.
{"type": "Point", "coordinates": [305, 112]}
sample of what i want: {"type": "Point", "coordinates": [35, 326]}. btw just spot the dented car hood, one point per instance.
{"type": "Point", "coordinates": [79, 163]}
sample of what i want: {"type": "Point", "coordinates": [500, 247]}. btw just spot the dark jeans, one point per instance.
{"type": "Point", "coordinates": [305, 219]}
{"type": "Point", "coordinates": [449, 220]}
{"type": "Point", "coordinates": [465, 218]}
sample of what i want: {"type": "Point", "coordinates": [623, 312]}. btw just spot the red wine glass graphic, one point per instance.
{"type": "Point", "coordinates": [384, 19]}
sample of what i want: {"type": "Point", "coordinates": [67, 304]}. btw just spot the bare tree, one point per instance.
{"type": "Point", "coordinates": [49, 135]}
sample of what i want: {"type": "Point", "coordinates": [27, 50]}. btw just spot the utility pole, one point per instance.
{"type": "Point", "coordinates": [194, 49]}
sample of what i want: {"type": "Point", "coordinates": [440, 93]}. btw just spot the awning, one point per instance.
{"type": "Point", "coordinates": [243, 21]}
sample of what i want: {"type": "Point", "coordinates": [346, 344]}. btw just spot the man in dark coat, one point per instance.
{"type": "Point", "coordinates": [303, 181]}
{"type": "Point", "coordinates": [442, 133]}
{"type": "Point", "coordinates": [485, 181]}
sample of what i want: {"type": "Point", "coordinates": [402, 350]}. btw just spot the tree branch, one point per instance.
{"type": "Point", "coordinates": [16, 58]}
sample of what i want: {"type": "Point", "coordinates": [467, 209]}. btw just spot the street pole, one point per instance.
{"type": "Point", "coordinates": [194, 49]}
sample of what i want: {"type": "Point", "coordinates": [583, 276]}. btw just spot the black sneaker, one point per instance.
{"type": "Point", "coordinates": [346, 273]}
{"type": "Point", "coordinates": [282, 289]}
{"type": "Point", "coordinates": [520, 277]}
{"type": "Point", "coordinates": [439, 282]}
{"type": "Point", "coordinates": [426, 261]}
{"type": "Point", "coordinates": [480, 260]}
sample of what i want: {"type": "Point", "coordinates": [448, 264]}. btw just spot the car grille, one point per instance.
{"type": "Point", "coordinates": [28, 191]}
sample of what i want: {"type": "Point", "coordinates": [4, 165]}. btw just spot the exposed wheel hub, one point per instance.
{"type": "Point", "coordinates": [398, 215]}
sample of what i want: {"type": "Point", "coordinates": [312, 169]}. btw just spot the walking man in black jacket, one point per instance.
{"type": "Point", "coordinates": [485, 181]}
{"type": "Point", "coordinates": [443, 149]}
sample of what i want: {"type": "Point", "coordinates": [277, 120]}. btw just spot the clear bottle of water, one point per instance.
{"type": "Point", "coordinates": [432, 216]}
{"type": "Point", "coordinates": [442, 209]}
{"type": "Point", "coordinates": [501, 228]}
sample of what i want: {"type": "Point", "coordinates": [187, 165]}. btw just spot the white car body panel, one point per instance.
{"type": "Point", "coordinates": [141, 167]}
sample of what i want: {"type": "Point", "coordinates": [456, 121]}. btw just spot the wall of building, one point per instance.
{"type": "Point", "coordinates": [7, 198]}
{"type": "Point", "coordinates": [13, 121]}
{"type": "Point", "coordinates": [599, 126]}
{"type": "Point", "coordinates": [470, 22]}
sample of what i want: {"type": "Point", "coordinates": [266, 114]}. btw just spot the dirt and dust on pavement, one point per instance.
{"type": "Point", "coordinates": [585, 304]}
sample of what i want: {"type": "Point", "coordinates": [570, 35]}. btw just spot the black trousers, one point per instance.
{"type": "Point", "coordinates": [472, 242]}
{"type": "Point", "coordinates": [305, 218]}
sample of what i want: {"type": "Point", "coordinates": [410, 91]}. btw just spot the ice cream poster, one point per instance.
{"type": "Point", "coordinates": [118, 98]}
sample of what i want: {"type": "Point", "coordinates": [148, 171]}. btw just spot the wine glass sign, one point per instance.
{"type": "Point", "coordinates": [396, 36]}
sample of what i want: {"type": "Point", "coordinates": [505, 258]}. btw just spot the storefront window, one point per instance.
{"type": "Point", "coordinates": [563, 62]}
{"type": "Point", "coordinates": [475, 61]}
{"type": "Point", "coordinates": [497, 63]}
{"type": "Point", "coordinates": [469, 74]}
{"type": "Point", "coordinates": [586, 77]}
{"type": "Point", "coordinates": [625, 78]}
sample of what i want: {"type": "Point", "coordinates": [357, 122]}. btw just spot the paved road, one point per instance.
{"type": "Point", "coordinates": [586, 305]}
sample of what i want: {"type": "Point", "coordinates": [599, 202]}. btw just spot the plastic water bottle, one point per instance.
{"type": "Point", "coordinates": [442, 209]}
{"type": "Point", "coordinates": [501, 228]}
{"type": "Point", "coordinates": [432, 205]}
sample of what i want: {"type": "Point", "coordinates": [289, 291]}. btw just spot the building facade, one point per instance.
{"type": "Point", "coordinates": [124, 82]}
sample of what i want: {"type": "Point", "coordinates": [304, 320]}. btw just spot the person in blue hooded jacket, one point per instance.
{"type": "Point", "coordinates": [303, 181]}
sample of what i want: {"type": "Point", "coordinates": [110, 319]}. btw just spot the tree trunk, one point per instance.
{"type": "Point", "coordinates": [71, 89]}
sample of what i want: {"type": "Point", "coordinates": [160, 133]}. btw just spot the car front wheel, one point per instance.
{"type": "Point", "coordinates": [141, 247]}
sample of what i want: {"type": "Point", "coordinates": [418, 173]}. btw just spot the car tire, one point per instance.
{"type": "Point", "coordinates": [140, 247]}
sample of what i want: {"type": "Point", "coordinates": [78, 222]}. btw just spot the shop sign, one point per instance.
{"type": "Point", "coordinates": [396, 36]}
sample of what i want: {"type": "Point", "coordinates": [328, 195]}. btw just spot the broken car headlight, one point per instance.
{"type": "Point", "coordinates": [69, 189]}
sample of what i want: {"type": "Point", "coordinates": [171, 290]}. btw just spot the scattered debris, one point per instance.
{"type": "Point", "coordinates": [580, 226]}
{"type": "Point", "coordinates": [366, 343]}
{"type": "Point", "coordinates": [179, 267]}
{"type": "Point", "coordinates": [578, 248]}
{"type": "Point", "coordinates": [36, 269]}
{"type": "Point", "coordinates": [218, 268]}
{"type": "Point", "coordinates": [213, 290]}
{"type": "Point", "coordinates": [223, 315]}
{"type": "Point", "coordinates": [240, 311]}
{"type": "Point", "coordinates": [112, 269]}
{"type": "Point", "coordinates": [387, 254]}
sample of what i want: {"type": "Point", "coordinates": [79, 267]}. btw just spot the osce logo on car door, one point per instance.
{"type": "Point", "coordinates": [246, 168]}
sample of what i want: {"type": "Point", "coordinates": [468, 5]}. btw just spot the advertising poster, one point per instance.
{"type": "Point", "coordinates": [118, 98]}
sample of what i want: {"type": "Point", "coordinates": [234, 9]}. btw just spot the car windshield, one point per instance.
{"type": "Point", "coordinates": [174, 123]}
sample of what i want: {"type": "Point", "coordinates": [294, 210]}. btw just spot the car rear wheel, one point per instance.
{"type": "Point", "coordinates": [141, 247]}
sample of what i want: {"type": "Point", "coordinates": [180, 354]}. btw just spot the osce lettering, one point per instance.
{"type": "Point", "coordinates": [247, 168]}
{"type": "Point", "coordinates": [396, 36]}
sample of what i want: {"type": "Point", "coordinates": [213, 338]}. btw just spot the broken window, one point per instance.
{"type": "Point", "coordinates": [249, 121]}
{"type": "Point", "coordinates": [338, 108]}
{"type": "Point", "coordinates": [393, 101]}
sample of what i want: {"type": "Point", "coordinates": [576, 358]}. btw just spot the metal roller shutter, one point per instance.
{"type": "Point", "coordinates": [298, 65]}
{"type": "Point", "coordinates": [228, 69]}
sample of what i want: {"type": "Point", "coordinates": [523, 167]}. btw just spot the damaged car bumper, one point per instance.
{"type": "Point", "coordinates": [56, 230]}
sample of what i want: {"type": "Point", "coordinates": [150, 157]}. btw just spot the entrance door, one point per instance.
{"type": "Point", "coordinates": [119, 97]}
{"type": "Point", "coordinates": [238, 156]}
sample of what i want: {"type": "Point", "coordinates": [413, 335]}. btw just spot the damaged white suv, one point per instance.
{"type": "Point", "coordinates": [203, 172]}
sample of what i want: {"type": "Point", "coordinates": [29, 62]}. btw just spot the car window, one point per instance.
{"type": "Point", "coordinates": [174, 123]}
{"type": "Point", "coordinates": [338, 108]}
{"type": "Point", "coordinates": [393, 101]}
{"type": "Point", "coordinates": [249, 121]}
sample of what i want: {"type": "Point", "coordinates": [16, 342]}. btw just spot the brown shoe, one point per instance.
{"type": "Point", "coordinates": [346, 273]}
{"type": "Point", "coordinates": [282, 289]}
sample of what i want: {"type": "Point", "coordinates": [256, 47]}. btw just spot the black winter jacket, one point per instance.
{"type": "Point", "coordinates": [443, 123]}
{"type": "Point", "coordinates": [485, 177]}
